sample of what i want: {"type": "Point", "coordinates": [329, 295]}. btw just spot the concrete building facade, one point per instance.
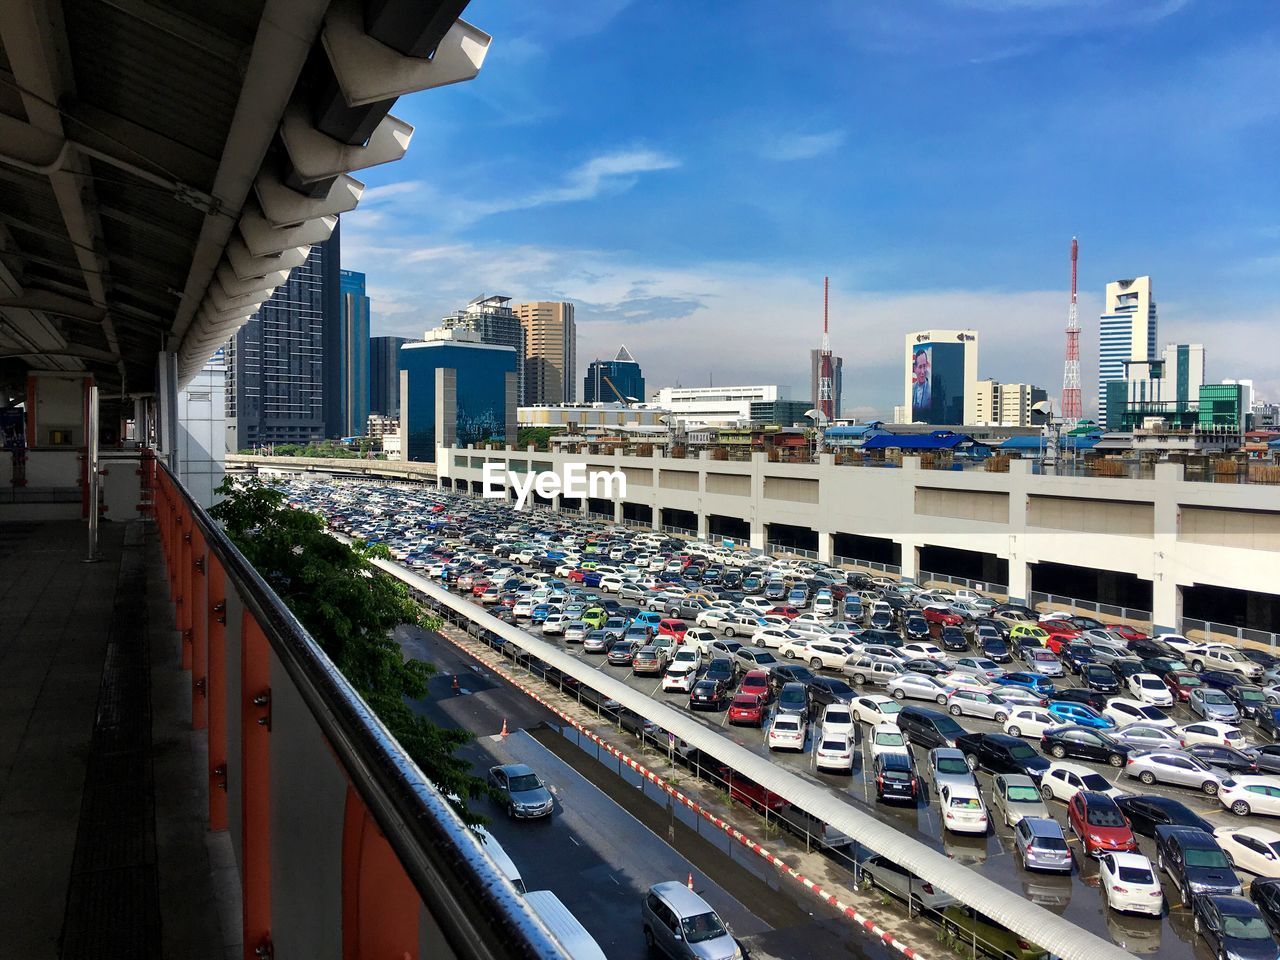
{"type": "Point", "coordinates": [618, 380]}
{"type": "Point", "coordinates": [941, 376]}
{"type": "Point", "coordinates": [384, 375]}
{"type": "Point", "coordinates": [346, 360]}
{"type": "Point", "coordinates": [717, 406]}
{"type": "Point", "coordinates": [494, 322]}
{"type": "Point", "coordinates": [550, 351]}
{"type": "Point", "coordinates": [1006, 404]}
{"type": "Point", "coordinates": [1127, 332]}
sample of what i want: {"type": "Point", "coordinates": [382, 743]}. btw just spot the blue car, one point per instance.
{"type": "Point", "coordinates": [591, 578]}
{"type": "Point", "coordinates": [1037, 684]}
{"type": "Point", "coordinates": [1079, 713]}
{"type": "Point", "coordinates": [539, 613]}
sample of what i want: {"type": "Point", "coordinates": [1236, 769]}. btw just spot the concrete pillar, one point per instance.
{"type": "Point", "coordinates": [557, 504]}
{"type": "Point", "coordinates": [655, 518]}
{"type": "Point", "coordinates": [757, 536]}
{"type": "Point", "coordinates": [910, 560]}
{"type": "Point", "coordinates": [703, 525]}
{"type": "Point", "coordinates": [617, 510]}
{"type": "Point", "coordinates": [826, 545]}
{"type": "Point", "coordinates": [1166, 605]}
{"type": "Point", "coordinates": [1019, 581]}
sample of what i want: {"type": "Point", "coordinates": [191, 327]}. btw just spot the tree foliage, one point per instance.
{"type": "Point", "coordinates": [350, 608]}
{"type": "Point", "coordinates": [540, 437]}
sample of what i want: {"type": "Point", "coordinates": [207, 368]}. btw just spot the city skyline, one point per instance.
{"type": "Point", "coordinates": [666, 234]}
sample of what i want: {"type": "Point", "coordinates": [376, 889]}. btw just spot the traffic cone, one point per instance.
{"type": "Point", "coordinates": [504, 727]}
{"type": "Point", "coordinates": [455, 681]}
{"type": "Point", "coordinates": [691, 880]}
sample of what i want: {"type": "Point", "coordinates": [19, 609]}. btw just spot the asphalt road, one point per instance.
{"type": "Point", "coordinates": [605, 844]}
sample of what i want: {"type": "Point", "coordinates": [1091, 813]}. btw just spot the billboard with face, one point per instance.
{"type": "Point", "coordinates": [937, 383]}
{"type": "Point", "coordinates": [922, 384]}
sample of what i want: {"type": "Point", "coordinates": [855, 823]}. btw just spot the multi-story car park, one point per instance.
{"type": "Point", "coordinates": [395, 516]}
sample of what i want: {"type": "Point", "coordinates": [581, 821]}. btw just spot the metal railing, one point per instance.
{"type": "Point", "coordinates": [1228, 632]}
{"type": "Point", "coordinates": [891, 568]}
{"type": "Point", "coordinates": [980, 586]}
{"type": "Point", "coordinates": [1045, 602]}
{"type": "Point", "coordinates": [291, 741]}
{"type": "Point", "coordinates": [678, 531]}
{"type": "Point", "coordinates": [597, 515]}
{"type": "Point", "coordinates": [778, 549]}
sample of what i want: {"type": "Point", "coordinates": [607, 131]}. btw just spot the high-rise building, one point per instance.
{"type": "Point", "coordinates": [941, 376]}
{"type": "Point", "coordinates": [1183, 372]}
{"type": "Point", "coordinates": [275, 362]}
{"type": "Point", "coordinates": [619, 380]}
{"type": "Point", "coordinates": [384, 375]}
{"type": "Point", "coordinates": [1126, 333]}
{"type": "Point", "coordinates": [550, 351]}
{"type": "Point", "coordinates": [346, 360]}
{"type": "Point", "coordinates": [1007, 404]}
{"type": "Point", "coordinates": [728, 406]}
{"type": "Point", "coordinates": [455, 391]}
{"type": "Point", "coordinates": [496, 323]}
{"type": "Point", "coordinates": [837, 381]}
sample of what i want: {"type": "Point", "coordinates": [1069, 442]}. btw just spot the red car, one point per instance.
{"type": "Point", "coordinates": [756, 682]}
{"type": "Point", "coordinates": [1099, 825]}
{"type": "Point", "coordinates": [1127, 633]}
{"type": "Point", "coordinates": [1059, 633]}
{"type": "Point", "coordinates": [1181, 683]}
{"type": "Point", "coordinates": [747, 708]}
{"type": "Point", "coordinates": [782, 611]}
{"type": "Point", "coordinates": [479, 587]}
{"type": "Point", "coordinates": [940, 614]}
{"type": "Point", "coordinates": [745, 790]}
{"type": "Point", "coordinates": [674, 629]}
{"type": "Point", "coordinates": [575, 575]}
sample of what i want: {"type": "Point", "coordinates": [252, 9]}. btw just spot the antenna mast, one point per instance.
{"type": "Point", "coordinates": [826, 378]}
{"type": "Point", "coordinates": [1071, 409]}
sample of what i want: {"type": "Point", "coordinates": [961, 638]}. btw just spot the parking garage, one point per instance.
{"type": "Point", "coordinates": [719, 525]}
{"type": "Point", "coordinates": [785, 536]}
{"type": "Point", "coordinates": [974, 565]}
{"type": "Point", "coordinates": [680, 519]}
{"type": "Point", "coordinates": [1095, 585]}
{"type": "Point", "coordinates": [868, 549]}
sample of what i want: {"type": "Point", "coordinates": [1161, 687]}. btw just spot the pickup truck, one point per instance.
{"type": "Point", "coordinates": [686, 608]}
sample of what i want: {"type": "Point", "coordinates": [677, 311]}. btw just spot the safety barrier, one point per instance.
{"type": "Point", "coordinates": [1225, 632]}
{"type": "Point", "coordinates": [778, 549]}
{"type": "Point", "coordinates": [1051, 601]}
{"type": "Point", "coordinates": [342, 843]}
{"type": "Point", "coordinates": [981, 586]}
{"type": "Point", "coordinates": [890, 568]}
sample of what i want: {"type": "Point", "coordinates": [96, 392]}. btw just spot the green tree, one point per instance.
{"type": "Point", "coordinates": [350, 608]}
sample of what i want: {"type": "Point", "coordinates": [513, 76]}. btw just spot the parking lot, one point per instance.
{"type": "Point", "coordinates": [425, 530]}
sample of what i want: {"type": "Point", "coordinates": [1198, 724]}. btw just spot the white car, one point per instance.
{"type": "Point", "coordinates": [700, 639]}
{"type": "Point", "coordinates": [962, 808]}
{"type": "Point", "coordinates": [1177, 642]}
{"type": "Point", "coordinates": [887, 738]}
{"type": "Point", "coordinates": [818, 654]}
{"type": "Point", "coordinates": [758, 604]}
{"type": "Point", "coordinates": [611, 582]}
{"type": "Point", "coordinates": [1123, 711]}
{"type": "Point", "coordinates": [555, 623]}
{"type": "Point", "coordinates": [1062, 780]}
{"type": "Point", "coordinates": [679, 678]}
{"type": "Point", "coordinates": [773, 637]}
{"type": "Point", "coordinates": [1030, 722]}
{"type": "Point", "coordinates": [875, 709]}
{"type": "Point", "coordinates": [1214, 732]}
{"type": "Point", "coordinates": [833, 751]}
{"type": "Point", "coordinates": [1148, 688]}
{"type": "Point", "coordinates": [688, 654]}
{"type": "Point", "coordinates": [1252, 794]}
{"type": "Point", "coordinates": [929, 651]}
{"type": "Point", "coordinates": [1255, 849]}
{"type": "Point", "coordinates": [1130, 884]}
{"type": "Point", "coordinates": [523, 607]}
{"type": "Point", "coordinates": [838, 718]}
{"type": "Point", "coordinates": [787, 732]}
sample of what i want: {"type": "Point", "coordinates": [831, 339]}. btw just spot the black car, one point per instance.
{"type": "Point", "coordinates": [1090, 698]}
{"type": "Point", "coordinates": [1147, 811]}
{"type": "Point", "coordinates": [1002, 627]}
{"type": "Point", "coordinates": [707, 695]}
{"type": "Point", "coordinates": [1233, 927]}
{"type": "Point", "coordinates": [1269, 722]}
{"type": "Point", "coordinates": [1126, 667]}
{"type": "Point", "coordinates": [886, 638]}
{"type": "Point", "coordinates": [1001, 753]}
{"type": "Point", "coordinates": [1228, 758]}
{"type": "Point", "coordinates": [1162, 665]}
{"type": "Point", "coordinates": [1099, 677]}
{"type": "Point", "coordinates": [1147, 648]}
{"type": "Point", "coordinates": [825, 690]}
{"type": "Point", "coordinates": [1262, 658]}
{"type": "Point", "coordinates": [896, 779]}
{"type": "Point", "coordinates": [721, 669]}
{"type": "Point", "coordinates": [1195, 863]}
{"type": "Point", "coordinates": [790, 673]}
{"type": "Point", "coordinates": [953, 640]}
{"type": "Point", "coordinates": [1268, 757]}
{"type": "Point", "coordinates": [1265, 892]}
{"type": "Point", "coordinates": [1249, 700]}
{"type": "Point", "coordinates": [1220, 679]}
{"type": "Point", "coordinates": [993, 648]}
{"type": "Point", "coordinates": [1085, 744]}
{"type": "Point", "coordinates": [930, 668]}
{"type": "Point", "coordinates": [916, 628]}
{"type": "Point", "coordinates": [1075, 655]}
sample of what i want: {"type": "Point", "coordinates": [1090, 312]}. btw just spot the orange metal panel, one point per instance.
{"type": "Point", "coordinates": [380, 906]}
{"type": "Point", "coordinates": [185, 583]}
{"type": "Point", "coordinates": [199, 608]}
{"type": "Point", "coordinates": [217, 698]}
{"type": "Point", "coordinates": [255, 785]}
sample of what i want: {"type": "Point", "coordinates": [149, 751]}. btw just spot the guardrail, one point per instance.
{"type": "Point", "coordinates": [778, 548]}
{"type": "Point", "coordinates": [891, 568]}
{"type": "Point", "coordinates": [1227, 632]}
{"type": "Point", "coordinates": [981, 586]}
{"type": "Point", "coordinates": [819, 807]}
{"type": "Point", "coordinates": [1055, 602]}
{"type": "Point", "coordinates": [323, 804]}
{"type": "Point", "coordinates": [597, 515]}
{"type": "Point", "coordinates": [679, 531]}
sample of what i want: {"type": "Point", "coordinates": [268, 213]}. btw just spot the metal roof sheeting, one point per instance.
{"type": "Point", "coordinates": [1058, 936]}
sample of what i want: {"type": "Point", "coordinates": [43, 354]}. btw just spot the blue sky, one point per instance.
{"type": "Point", "coordinates": [687, 173]}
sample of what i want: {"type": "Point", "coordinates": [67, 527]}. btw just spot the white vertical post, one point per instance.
{"type": "Point", "coordinates": [92, 474]}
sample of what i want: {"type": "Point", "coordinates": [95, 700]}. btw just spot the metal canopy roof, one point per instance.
{"type": "Point", "coordinates": [163, 163]}
{"type": "Point", "coordinates": [1058, 936]}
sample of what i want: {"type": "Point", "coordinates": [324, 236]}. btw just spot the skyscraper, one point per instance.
{"type": "Point", "coordinates": [550, 351]}
{"type": "Point", "coordinates": [619, 380]}
{"type": "Point", "coordinates": [1126, 333]}
{"type": "Point", "coordinates": [837, 380]}
{"type": "Point", "coordinates": [275, 362]}
{"type": "Point", "coordinates": [384, 375]}
{"type": "Point", "coordinates": [496, 323]}
{"type": "Point", "coordinates": [941, 376]}
{"type": "Point", "coordinates": [346, 360]}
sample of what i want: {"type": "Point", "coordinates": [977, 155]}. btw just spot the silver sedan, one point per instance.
{"type": "Point", "coordinates": [1176, 767]}
{"type": "Point", "coordinates": [1014, 796]}
{"type": "Point", "coordinates": [1210, 704]}
{"type": "Point", "coordinates": [918, 686]}
{"type": "Point", "coordinates": [1146, 736]}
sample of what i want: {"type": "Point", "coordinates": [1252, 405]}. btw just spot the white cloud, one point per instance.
{"type": "Point", "coordinates": [803, 146]}
{"type": "Point", "coordinates": [375, 195]}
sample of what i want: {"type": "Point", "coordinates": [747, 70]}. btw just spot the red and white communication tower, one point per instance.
{"type": "Point", "coordinates": [826, 371]}
{"type": "Point", "coordinates": [1071, 369]}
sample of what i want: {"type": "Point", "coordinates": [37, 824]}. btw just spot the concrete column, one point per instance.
{"type": "Point", "coordinates": [910, 560]}
{"type": "Point", "coordinates": [1166, 594]}
{"type": "Point", "coordinates": [617, 510]}
{"type": "Point", "coordinates": [826, 544]}
{"type": "Point", "coordinates": [655, 517]}
{"type": "Point", "coordinates": [1019, 581]}
{"type": "Point", "coordinates": [703, 524]}
{"type": "Point", "coordinates": [557, 504]}
{"type": "Point", "coordinates": [757, 536]}
{"type": "Point", "coordinates": [1166, 605]}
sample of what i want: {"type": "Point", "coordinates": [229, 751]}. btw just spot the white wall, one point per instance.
{"type": "Point", "coordinates": [202, 432]}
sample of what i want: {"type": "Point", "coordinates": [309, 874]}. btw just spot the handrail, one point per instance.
{"type": "Point", "coordinates": [479, 913]}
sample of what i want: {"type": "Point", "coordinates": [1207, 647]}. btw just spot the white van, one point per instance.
{"type": "Point", "coordinates": [564, 926]}
{"type": "Point", "coordinates": [499, 856]}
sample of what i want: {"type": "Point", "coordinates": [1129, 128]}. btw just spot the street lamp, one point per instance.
{"type": "Point", "coordinates": [819, 418]}
{"type": "Point", "coordinates": [1050, 432]}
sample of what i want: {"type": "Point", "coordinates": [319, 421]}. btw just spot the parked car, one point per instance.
{"type": "Point", "coordinates": [929, 728]}
{"type": "Point", "coordinates": [746, 709]}
{"type": "Point", "coordinates": [1062, 780]}
{"type": "Point", "coordinates": [882, 872]}
{"type": "Point", "coordinates": [895, 777]}
{"type": "Point", "coordinates": [1098, 823]}
{"type": "Point", "coordinates": [874, 708]}
{"type": "Point", "coordinates": [976, 703]}
{"type": "Point", "coordinates": [707, 694]}
{"type": "Point", "coordinates": [1251, 794]}
{"type": "Point", "coordinates": [1041, 845]}
{"type": "Point", "coordinates": [1210, 731]}
{"type": "Point", "coordinates": [1084, 743]}
{"type": "Point", "coordinates": [1130, 884]}
{"type": "Point", "coordinates": [887, 738]}
{"type": "Point", "coordinates": [649, 660]}
{"type": "Point", "coordinates": [1195, 863]}
{"type": "Point", "coordinates": [962, 808]}
{"type": "Point", "coordinates": [1121, 711]}
{"type": "Point", "coordinates": [1256, 849]}
{"type": "Point", "coordinates": [965, 924]}
{"type": "Point", "coordinates": [1030, 722]}
{"type": "Point", "coordinates": [1014, 796]}
{"type": "Point", "coordinates": [948, 765]}
{"type": "Point", "coordinates": [1147, 736]}
{"type": "Point", "coordinates": [1210, 704]}
{"type": "Point", "coordinates": [1001, 753]}
{"type": "Point", "coordinates": [1232, 927]}
{"type": "Point", "coordinates": [1145, 812]}
{"type": "Point", "coordinates": [1099, 677]}
{"type": "Point", "coordinates": [1230, 759]}
{"type": "Point", "coordinates": [918, 686]}
{"type": "Point", "coordinates": [788, 731]}
{"type": "Point", "coordinates": [1149, 688]}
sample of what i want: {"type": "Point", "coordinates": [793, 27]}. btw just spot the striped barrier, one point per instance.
{"type": "Point", "coordinates": [870, 926]}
